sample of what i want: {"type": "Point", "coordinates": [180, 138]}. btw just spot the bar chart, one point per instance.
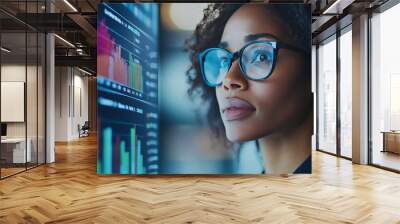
{"type": "Point", "coordinates": [127, 84]}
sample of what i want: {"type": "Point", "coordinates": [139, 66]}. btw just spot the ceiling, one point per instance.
{"type": "Point", "coordinates": [75, 21]}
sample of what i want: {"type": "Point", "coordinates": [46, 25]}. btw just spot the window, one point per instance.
{"type": "Point", "coordinates": [346, 93]}
{"type": "Point", "coordinates": [385, 88]}
{"type": "Point", "coordinates": [327, 96]}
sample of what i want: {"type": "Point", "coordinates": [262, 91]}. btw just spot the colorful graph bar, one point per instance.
{"type": "Point", "coordinates": [131, 158]}
{"type": "Point", "coordinates": [99, 163]}
{"type": "Point", "coordinates": [124, 159]}
{"type": "Point", "coordinates": [132, 152]}
{"type": "Point", "coordinates": [107, 151]}
{"type": "Point", "coordinates": [135, 74]}
{"type": "Point", "coordinates": [140, 164]}
{"type": "Point", "coordinates": [111, 63]}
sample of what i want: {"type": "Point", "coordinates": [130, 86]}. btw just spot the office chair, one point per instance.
{"type": "Point", "coordinates": [84, 130]}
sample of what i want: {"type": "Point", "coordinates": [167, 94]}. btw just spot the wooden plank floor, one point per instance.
{"type": "Point", "coordinates": [70, 191]}
{"type": "Point", "coordinates": [10, 171]}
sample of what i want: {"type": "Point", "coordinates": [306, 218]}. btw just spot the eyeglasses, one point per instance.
{"type": "Point", "coordinates": [257, 60]}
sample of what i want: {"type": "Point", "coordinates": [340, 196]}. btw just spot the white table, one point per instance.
{"type": "Point", "coordinates": [19, 149]}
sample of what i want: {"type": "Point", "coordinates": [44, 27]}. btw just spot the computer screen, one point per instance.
{"type": "Point", "coordinates": [127, 81]}
{"type": "Point", "coordinates": [3, 129]}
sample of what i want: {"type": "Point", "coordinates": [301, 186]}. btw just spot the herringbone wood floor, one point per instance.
{"type": "Point", "coordinates": [70, 191]}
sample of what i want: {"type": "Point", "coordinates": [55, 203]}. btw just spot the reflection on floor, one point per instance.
{"type": "Point", "coordinates": [11, 169]}
{"type": "Point", "coordinates": [346, 152]}
{"type": "Point", "coordinates": [387, 159]}
{"type": "Point", "coordinates": [70, 191]}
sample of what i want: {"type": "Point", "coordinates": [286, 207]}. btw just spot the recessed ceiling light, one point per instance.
{"type": "Point", "coordinates": [64, 40]}
{"type": "Point", "coordinates": [70, 5]}
{"type": "Point", "coordinates": [5, 50]}
{"type": "Point", "coordinates": [84, 71]}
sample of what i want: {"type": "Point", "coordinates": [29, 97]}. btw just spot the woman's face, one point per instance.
{"type": "Point", "coordinates": [253, 109]}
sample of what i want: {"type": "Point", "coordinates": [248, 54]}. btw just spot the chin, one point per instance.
{"type": "Point", "coordinates": [238, 132]}
{"type": "Point", "coordinates": [237, 136]}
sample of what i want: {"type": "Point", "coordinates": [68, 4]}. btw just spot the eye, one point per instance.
{"type": "Point", "coordinates": [261, 56]}
{"type": "Point", "coordinates": [224, 62]}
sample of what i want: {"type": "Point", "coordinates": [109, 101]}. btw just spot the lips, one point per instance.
{"type": "Point", "coordinates": [235, 109]}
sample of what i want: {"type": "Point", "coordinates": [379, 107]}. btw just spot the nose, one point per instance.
{"type": "Point", "coordinates": [235, 80]}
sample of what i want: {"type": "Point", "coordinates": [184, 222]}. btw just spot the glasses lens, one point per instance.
{"type": "Point", "coordinates": [258, 60]}
{"type": "Point", "coordinates": [215, 66]}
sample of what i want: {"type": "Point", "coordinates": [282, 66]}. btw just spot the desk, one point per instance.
{"type": "Point", "coordinates": [391, 141]}
{"type": "Point", "coordinates": [16, 148]}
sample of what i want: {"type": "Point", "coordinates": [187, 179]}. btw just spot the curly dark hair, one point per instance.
{"type": "Point", "coordinates": [208, 34]}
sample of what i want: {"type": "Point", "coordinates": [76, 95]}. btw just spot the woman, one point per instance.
{"type": "Point", "coordinates": [252, 63]}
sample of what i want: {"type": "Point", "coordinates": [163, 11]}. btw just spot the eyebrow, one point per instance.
{"type": "Point", "coordinates": [248, 38]}
{"type": "Point", "coordinates": [256, 36]}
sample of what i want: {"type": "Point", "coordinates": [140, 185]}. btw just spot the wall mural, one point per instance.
{"type": "Point", "coordinates": [198, 88]}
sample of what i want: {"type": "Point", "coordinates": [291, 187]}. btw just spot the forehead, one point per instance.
{"type": "Point", "coordinates": [252, 19]}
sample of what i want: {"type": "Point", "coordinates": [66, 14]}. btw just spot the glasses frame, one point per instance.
{"type": "Point", "coordinates": [276, 45]}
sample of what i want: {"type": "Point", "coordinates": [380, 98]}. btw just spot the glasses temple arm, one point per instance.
{"type": "Point", "coordinates": [291, 47]}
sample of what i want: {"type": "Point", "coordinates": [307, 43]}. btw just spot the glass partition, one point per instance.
{"type": "Point", "coordinates": [13, 105]}
{"type": "Point", "coordinates": [31, 98]}
{"type": "Point", "coordinates": [22, 88]}
{"type": "Point", "coordinates": [41, 91]}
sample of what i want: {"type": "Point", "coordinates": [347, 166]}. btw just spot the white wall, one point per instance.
{"type": "Point", "coordinates": [16, 73]}
{"type": "Point", "coordinates": [13, 72]}
{"type": "Point", "coordinates": [10, 73]}
{"type": "Point", "coordinates": [71, 94]}
{"type": "Point", "coordinates": [61, 104]}
{"type": "Point", "coordinates": [80, 100]}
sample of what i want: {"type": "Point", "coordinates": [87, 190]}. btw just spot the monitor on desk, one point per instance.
{"type": "Point", "coordinates": [3, 130]}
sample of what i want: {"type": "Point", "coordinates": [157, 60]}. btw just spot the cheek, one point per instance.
{"type": "Point", "coordinates": [284, 91]}
{"type": "Point", "coordinates": [266, 93]}
{"type": "Point", "coordinates": [219, 93]}
{"type": "Point", "coordinates": [271, 93]}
